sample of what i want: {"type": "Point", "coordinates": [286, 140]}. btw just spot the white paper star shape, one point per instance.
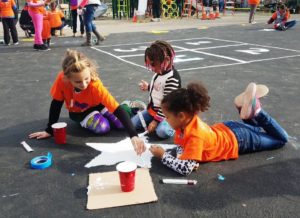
{"type": "Point", "coordinates": [112, 153]}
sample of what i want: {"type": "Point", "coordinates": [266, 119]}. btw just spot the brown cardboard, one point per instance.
{"type": "Point", "coordinates": [104, 190]}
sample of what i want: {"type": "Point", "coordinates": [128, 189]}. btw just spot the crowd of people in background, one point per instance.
{"type": "Point", "coordinates": [45, 19]}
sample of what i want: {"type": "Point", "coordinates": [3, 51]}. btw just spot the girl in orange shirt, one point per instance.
{"type": "Point", "coordinates": [46, 33]}
{"type": "Point", "coordinates": [253, 5]}
{"type": "Point", "coordinates": [198, 142]}
{"type": "Point", "coordinates": [280, 18]}
{"type": "Point", "coordinates": [8, 14]}
{"type": "Point", "coordinates": [88, 101]}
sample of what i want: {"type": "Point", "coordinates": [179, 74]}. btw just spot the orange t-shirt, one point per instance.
{"type": "Point", "coordinates": [55, 18]}
{"type": "Point", "coordinates": [253, 2]}
{"type": "Point", "coordinates": [96, 93]}
{"type": "Point", "coordinates": [285, 18]}
{"type": "Point", "coordinates": [204, 143]}
{"type": "Point", "coordinates": [37, 10]}
{"type": "Point", "coordinates": [46, 33]}
{"type": "Point", "coordinates": [6, 9]}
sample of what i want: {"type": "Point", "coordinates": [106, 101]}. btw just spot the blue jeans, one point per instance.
{"type": "Point", "coordinates": [163, 129]}
{"type": "Point", "coordinates": [266, 134]}
{"type": "Point", "coordinates": [88, 18]}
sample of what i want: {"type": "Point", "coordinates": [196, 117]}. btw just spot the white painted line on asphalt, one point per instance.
{"type": "Point", "coordinates": [129, 62]}
{"type": "Point", "coordinates": [232, 64]}
{"type": "Point", "coordinates": [268, 59]}
{"type": "Point", "coordinates": [138, 43]}
{"type": "Point", "coordinates": [214, 55]}
{"type": "Point", "coordinates": [211, 66]}
{"type": "Point", "coordinates": [138, 55]}
{"type": "Point", "coordinates": [221, 46]}
{"type": "Point", "coordinates": [266, 46]}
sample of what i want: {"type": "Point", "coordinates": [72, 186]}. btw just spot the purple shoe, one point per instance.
{"type": "Point", "coordinates": [96, 123]}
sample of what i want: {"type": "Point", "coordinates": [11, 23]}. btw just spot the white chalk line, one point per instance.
{"type": "Point", "coordinates": [266, 46]}
{"type": "Point", "coordinates": [205, 53]}
{"type": "Point", "coordinates": [137, 43]}
{"type": "Point", "coordinates": [121, 59]}
{"type": "Point", "coordinates": [214, 55]}
{"type": "Point", "coordinates": [196, 49]}
{"type": "Point", "coordinates": [232, 64]}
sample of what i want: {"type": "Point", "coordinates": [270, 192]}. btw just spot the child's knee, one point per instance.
{"type": "Point", "coordinates": [164, 130]}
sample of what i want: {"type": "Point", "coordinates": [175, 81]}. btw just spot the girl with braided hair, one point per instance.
{"type": "Point", "coordinates": [159, 58]}
{"type": "Point", "coordinates": [88, 101]}
{"type": "Point", "coordinates": [198, 142]}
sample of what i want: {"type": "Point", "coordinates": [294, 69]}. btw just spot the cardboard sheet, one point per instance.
{"type": "Point", "coordinates": [104, 190]}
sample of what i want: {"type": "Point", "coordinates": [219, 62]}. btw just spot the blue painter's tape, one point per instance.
{"type": "Point", "coordinates": [41, 162]}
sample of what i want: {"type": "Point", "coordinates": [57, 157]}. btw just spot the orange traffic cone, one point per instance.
{"type": "Point", "coordinates": [217, 15]}
{"type": "Point", "coordinates": [134, 19]}
{"type": "Point", "coordinates": [204, 17]}
{"type": "Point", "coordinates": [211, 13]}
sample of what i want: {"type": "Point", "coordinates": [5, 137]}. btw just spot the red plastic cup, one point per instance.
{"type": "Point", "coordinates": [59, 132]}
{"type": "Point", "coordinates": [127, 175]}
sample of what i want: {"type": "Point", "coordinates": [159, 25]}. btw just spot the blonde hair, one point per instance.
{"type": "Point", "coordinates": [76, 62]}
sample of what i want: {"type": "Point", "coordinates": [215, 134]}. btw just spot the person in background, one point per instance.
{"type": "Point", "coordinates": [35, 9]}
{"type": "Point", "coordinates": [9, 15]}
{"type": "Point", "coordinates": [46, 33]}
{"type": "Point", "coordinates": [156, 10]}
{"type": "Point", "coordinates": [253, 5]}
{"type": "Point", "coordinates": [280, 18]}
{"type": "Point", "coordinates": [26, 22]}
{"type": "Point", "coordinates": [74, 12]}
{"type": "Point", "coordinates": [57, 19]}
{"type": "Point", "coordinates": [89, 7]}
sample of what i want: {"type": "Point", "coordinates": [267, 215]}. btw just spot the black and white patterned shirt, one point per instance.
{"type": "Point", "coordinates": [184, 167]}
{"type": "Point", "coordinates": [161, 85]}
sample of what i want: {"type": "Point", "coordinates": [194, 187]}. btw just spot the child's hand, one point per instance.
{"type": "Point", "coordinates": [157, 151]}
{"type": "Point", "coordinates": [138, 145]}
{"type": "Point", "coordinates": [143, 85]}
{"type": "Point", "coordinates": [39, 135]}
{"type": "Point", "coordinates": [152, 126]}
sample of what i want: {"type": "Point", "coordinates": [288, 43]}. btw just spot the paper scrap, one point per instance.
{"type": "Point", "coordinates": [220, 177]}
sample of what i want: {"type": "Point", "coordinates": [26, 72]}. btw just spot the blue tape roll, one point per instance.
{"type": "Point", "coordinates": [41, 162]}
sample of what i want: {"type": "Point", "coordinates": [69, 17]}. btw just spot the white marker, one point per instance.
{"type": "Point", "coordinates": [142, 120]}
{"type": "Point", "coordinates": [180, 181]}
{"type": "Point", "coordinates": [26, 146]}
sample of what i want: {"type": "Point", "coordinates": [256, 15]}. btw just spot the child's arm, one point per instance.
{"type": "Point", "coordinates": [54, 113]}
{"type": "Point", "coordinates": [137, 143]}
{"type": "Point", "coordinates": [273, 18]}
{"type": "Point", "coordinates": [184, 167]}
{"type": "Point", "coordinates": [144, 86]}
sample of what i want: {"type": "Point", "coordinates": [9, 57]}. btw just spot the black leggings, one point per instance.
{"type": "Point", "coordinates": [9, 25]}
{"type": "Point", "coordinates": [74, 22]}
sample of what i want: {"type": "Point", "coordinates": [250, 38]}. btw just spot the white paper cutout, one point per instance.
{"type": "Point", "coordinates": [113, 153]}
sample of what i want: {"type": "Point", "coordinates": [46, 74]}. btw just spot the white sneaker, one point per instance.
{"type": "Point", "coordinates": [16, 43]}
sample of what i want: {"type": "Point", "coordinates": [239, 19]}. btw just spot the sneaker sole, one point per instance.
{"type": "Point", "coordinates": [246, 109]}
{"type": "Point", "coordinates": [261, 91]}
